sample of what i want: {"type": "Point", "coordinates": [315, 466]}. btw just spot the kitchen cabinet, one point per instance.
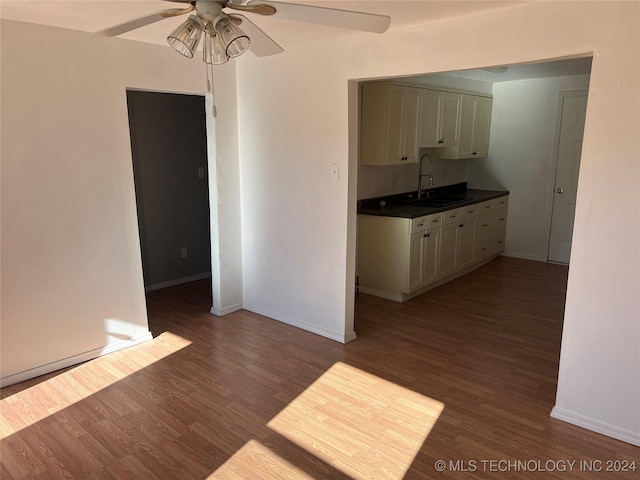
{"type": "Point", "coordinates": [458, 246]}
{"type": "Point", "coordinates": [447, 260]}
{"type": "Point", "coordinates": [439, 118]}
{"type": "Point", "coordinates": [423, 258]}
{"type": "Point", "coordinates": [474, 129]}
{"type": "Point", "coordinates": [399, 258]}
{"type": "Point", "coordinates": [390, 124]}
{"type": "Point", "coordinates": [465, 248]}
{"type": "Point", "coordinates": [491, 228]}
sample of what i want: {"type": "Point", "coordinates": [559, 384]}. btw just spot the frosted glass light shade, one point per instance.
{"type": "Point", "coordinates": [186, 37]}
{"type": "Point", "coordinates": [214, 51]}
{"type": "Point", "coordinates": [235, 40]}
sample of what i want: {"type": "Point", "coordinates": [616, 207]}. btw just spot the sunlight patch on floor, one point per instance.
{"type": "Point", "coordinates": [254, 460]}
{"type": "Point", "coordinates": [360, 424]}
{"type": "Point", "coordinates": [33, 404]}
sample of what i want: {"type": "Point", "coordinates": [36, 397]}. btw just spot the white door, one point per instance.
{"type": "Point", "coordinates": [574, 107]}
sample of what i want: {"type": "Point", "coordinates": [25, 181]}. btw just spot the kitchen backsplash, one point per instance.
{"type": "Point", "coordinates": [380, 181]}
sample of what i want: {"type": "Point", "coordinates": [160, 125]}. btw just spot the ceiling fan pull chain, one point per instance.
{"type": "Point", "coordinates": [209, 69]}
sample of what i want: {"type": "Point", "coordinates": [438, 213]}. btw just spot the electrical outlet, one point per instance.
{"type": "Point", "coordinates": [335, 171]}
{"type": "Point", "coordinates": [394, 180]}
{"type": "Point", "coordinates": [266, 263]}
{"type": "Point", "coordinates": [183, 252]}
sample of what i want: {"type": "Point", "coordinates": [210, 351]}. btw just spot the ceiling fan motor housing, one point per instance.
{"type": "Point", "coordinates": [209, 10]}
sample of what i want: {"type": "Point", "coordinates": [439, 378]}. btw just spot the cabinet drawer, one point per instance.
{"type": "Point", "coordinates": [491, 222]}
{"type": "Point", "coordinates": [494, 204]}
{"type": "Point", "coordinates": [451, 216]}
{"type": "Point", "coordinates": [434, 220]}
{"type": "Point", "coordinates": [470, 211]}
{"type": "Point", "coordinates": [490, 245]}
{"type": "Point", "coordinates": [418, 225]}
{"type": "Point", "coordinates": [422, 223]}
{"type": "Point", "coordinates": [502, 202]}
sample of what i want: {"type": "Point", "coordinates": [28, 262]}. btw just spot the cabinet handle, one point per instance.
{"type": "Point", "coordinates": [461, 225]}
{"type": "Point", "coordinates": [426, 235]}
{"type": "Point", "coordinates": [487, 206]}
{"type": "Point", "coordinates": [501, 219]}
{"type": "Point", "coordinates": [485, 225]}
{"type": "Point", "coordinates": [483, 249]}
{"type": "Point", "coordinates": [500, 241]}
{"type": "Point", "coordinates": [474, 153]}
{"type": "Point", "coordinates": [421, 224]}
{"type": "Point", "coordinates": [435, 220]}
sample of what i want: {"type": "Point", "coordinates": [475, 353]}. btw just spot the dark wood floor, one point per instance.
{"type": "Point", "coordinates": [465, 373]}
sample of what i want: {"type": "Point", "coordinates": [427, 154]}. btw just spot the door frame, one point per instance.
{"type": "Point", "coordinates": [553, 162]}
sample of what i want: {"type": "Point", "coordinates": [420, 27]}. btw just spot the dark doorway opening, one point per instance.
{"type": "Point", "coordinates": [169, 151]}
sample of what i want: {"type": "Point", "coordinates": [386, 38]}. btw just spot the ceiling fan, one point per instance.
{"type": "Point", "coordinates": [223, 39]}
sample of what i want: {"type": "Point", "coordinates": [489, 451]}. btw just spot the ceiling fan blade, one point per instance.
{"type": "Point", "coordinates": [262, 45]}
{"type": "Point", "coordinates": [367, 22]}
{"type": "Point", "coordinates": [124, 27]}
{"type": "Point", "coordinates": [260, 8]}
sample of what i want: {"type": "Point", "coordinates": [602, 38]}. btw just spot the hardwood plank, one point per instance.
{"type": "Point", "coordinates": [247, 397]}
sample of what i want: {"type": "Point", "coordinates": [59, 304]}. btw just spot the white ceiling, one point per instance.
{"type": "Point", "coordinates": [94, 15]}
{"type": "Point", "coordinates": [91, 16]}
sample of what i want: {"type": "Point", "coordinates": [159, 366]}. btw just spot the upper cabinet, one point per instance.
{"type": "Point", "coordinates": [475, 123]}
{"type": "Point", "coordinates": [390, 124]}
{"type": "Point", "coordinates": [397, 120]}
{"type": "Point", "coordinates": [439, 118]}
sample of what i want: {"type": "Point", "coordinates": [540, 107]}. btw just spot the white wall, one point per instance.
{"type": "Point", "coordinates": [304, 220]}
{"type": "Point", "coordinates": [72, 283]}
{"type": "Point", "coordinates": [522, 158]}
{"type": "Point", "coordinates": [224, 194]}
{"type": "Point", "coordinates": [389, 180]}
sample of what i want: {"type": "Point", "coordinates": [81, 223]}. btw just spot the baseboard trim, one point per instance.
{"type": "Point", "coordinates": [596, 426]}
{"type": "Point", "coordinates": [350, 337]}
{"type": "Point", "coordinates": [523, 256]}
{"type": "Point", "coordinates": [177, 281]}
{"type": "Point", "coordinates": [396, 297]}
{"type": "Point", "coordinates": [220, 312]}
{"type": "Point", "coordinates": [73, 360]}
{"type": "Point", "coordinates": [403, 297]}
{"type": "Point", "coordinates": [295, 322]}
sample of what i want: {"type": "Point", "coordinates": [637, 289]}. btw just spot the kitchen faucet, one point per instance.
{"type": "Point", "coordinates": [420, 174]}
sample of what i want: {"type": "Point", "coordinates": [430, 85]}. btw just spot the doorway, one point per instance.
{"type": "Point", "coordinates": [571, 130]}
{"type": "Point", "coordinates": [169, 151]}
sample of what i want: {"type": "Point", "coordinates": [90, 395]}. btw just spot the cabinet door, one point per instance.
{"type": "Point", "coordinates": [415, 262]}
{"type": "Point", "coordinates": [466, 243]}
{"type": "Point", "coordinates": [395, 125]}
{"type": "Point", "coordinates": [448, 248]}
{"type": "Point", "coordinates": [449, 119]}
{"type": "Point", "coordinates": [467, 115]}
{"type": "Point", "coordinates": [481, 127]}
{"type": "Point", "coordinates": [430, 113]}
{"type": "Point", "coordinates": [430, 254]}
{"type": "Point", "coordinates": [411, 124]}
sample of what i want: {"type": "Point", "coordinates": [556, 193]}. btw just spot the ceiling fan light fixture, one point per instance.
{"type": "Point", "coordinates": [214, 52]}
{"type": "Point", "coordinates": [186, 37]}
{"type": "Point", "coordinates": [235, 40]}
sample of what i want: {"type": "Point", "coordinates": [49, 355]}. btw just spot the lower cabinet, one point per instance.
{"type": "Point", "coordinates": [399, 258]}
{"type": "Point", "coordinates": [465, 249]}
{"type": "Point", "coordinates": [423, 258]}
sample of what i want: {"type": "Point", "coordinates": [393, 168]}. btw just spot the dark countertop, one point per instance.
{"type": "Point", "coordinates": [395, 206]}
